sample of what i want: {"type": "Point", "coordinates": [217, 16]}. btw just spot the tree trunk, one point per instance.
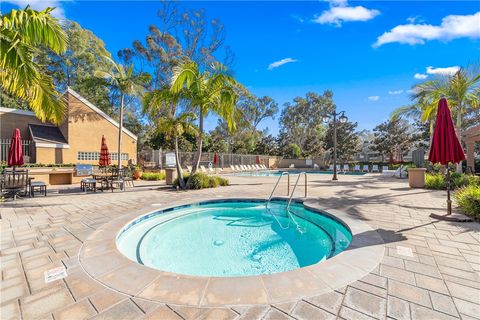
{"type": "Point", "coordinates": [459, 134]}
{"type": "Point", "coordinates": [181, 182]}
{"type": "Point", "coordinates": [198, 155]}
{"type": "Point", "coordinates": [120, 129]}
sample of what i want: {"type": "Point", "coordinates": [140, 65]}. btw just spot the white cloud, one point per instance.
{"type": "Point", "coordinates": [374, 98]}
{"type": "Point", "coordinates": [449, 71]}
{"type": "Point", "coordinates": [452, 27]}
{"type": "Point", "coordinates": [58, 12]}
{"type": "Point", "coordinates": [395, 92]}
{"type": "Point", "coordinates": [420, 76]}
{"type": "Point", "coordinates": [279, 63]}
{"type": "Point", "coordinates": [340, 12]}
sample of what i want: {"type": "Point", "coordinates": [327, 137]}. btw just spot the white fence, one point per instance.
{"type": "Point", "coordinates": [5, 146]}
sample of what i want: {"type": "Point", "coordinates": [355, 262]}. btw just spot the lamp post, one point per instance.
{"type": "Point", "coordinates": [342, 118]}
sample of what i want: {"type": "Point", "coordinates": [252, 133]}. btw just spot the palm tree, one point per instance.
{"type": "Point", "coordinates": [461, 90]}
{"type": "Point", "coordinates": [22, 34]}
{"type": "Point", "coordinates": [128, 83]}
{"type": "Point", "coordinates": [171, 124]}
{"type": "Point", "coordinates": [207, 92]}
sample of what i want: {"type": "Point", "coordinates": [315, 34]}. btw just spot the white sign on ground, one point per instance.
{"type": "Point", "coordinates": [170, 159]}
{"type": "Point", "coordinates": [55, 274]}
{"type": "Point", "coordinates": [404, 251]}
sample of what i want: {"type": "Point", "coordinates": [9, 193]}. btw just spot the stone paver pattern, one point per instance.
{"type": "Point", "coordinates": [430, 270]}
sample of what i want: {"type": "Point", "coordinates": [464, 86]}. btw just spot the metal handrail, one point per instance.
{"type": "Point", "coordinates": [290, 214]}
{"type": "Point", "coordinates": [276, 185]}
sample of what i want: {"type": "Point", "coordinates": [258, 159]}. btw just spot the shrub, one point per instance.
{"type": "Point", "coordinates": [153, 176]}
{"type": "Point", "coordinates": [437, 180]}
{"type": "Point", "coordinates": [201, 180]}
{"type": "Point", "coordinates": [468, 199]}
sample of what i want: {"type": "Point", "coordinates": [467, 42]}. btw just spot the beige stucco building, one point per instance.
{"type": "Point", "coordinates": [76, 140]}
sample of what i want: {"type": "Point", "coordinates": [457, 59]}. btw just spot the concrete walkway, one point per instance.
{"type": "Point", "coordinates": [430, 269]}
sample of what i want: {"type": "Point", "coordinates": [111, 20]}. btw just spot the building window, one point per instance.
{"type": "Point", "coordinates": [95, 156]}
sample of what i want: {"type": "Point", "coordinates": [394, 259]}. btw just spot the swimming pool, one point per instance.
{"type": "Point", "coordinates": [235, 237]}
{"type": "Point", "coordinates": [276, 173]}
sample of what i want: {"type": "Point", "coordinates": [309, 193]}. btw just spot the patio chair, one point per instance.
{"type": "Point", "coordinates": [330, 167]}
{"type": "Point", "coordinates": [117, 178]}
{"type": "Point", "coordinates": [375, 168]}
{"type": "Point", "coordinates": [315, 166]}
{"type": "Point", "coordinates": [211, 170]}
{"type": "Point", "coordinates": [346, 168]}
{"type": "Point", "coordinates": [15, 181]}
{"type": "Point", "coordinates": [365, 168]}
{"type": "Point", "coordinates": [292, 166]}
{"type": "Point", "coordinates": [202, 169]}
{"type": "Point", "coordinates": [357, 168]}
{"type": "Point", "coordinates": [338, 168]}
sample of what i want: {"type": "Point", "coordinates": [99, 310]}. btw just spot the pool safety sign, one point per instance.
{"type": "Point", "coordinates": [55, 274]}
{"type": "Point", "coordinates": [170, 160]}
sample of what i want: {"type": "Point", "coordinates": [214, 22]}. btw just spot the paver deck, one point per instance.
{"type": "Point", "coordinates": [430, 270]}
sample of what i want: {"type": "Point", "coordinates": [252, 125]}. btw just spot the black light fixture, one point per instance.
{"type": "Point", "coordinates": [343, 118]}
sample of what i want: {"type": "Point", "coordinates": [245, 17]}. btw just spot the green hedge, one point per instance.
{"type": "Point", "coordinates": [468, 199]}
{"type": "Point", "coordinates": [153, 176]}
{"type": "Point", "coordinates": [436, 181]}
{"type": "Point", "coordinates": [201, 181]}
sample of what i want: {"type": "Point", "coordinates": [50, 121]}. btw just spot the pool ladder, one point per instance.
{"type": "Point", "coordinates": [290, 214]}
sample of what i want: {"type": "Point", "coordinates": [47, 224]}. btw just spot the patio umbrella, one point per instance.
{"type": "Point", "coordinates": [215, 159]}
{"type": "Point", "coordinates": [445, 147]}
{"type": "Point", "coordinates": [104, 154]}
{"type": "Point", "coordinates": [15, 154]}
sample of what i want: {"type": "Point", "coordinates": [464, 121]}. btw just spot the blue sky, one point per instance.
{"type": "Point", "coordinates": [369, 53]}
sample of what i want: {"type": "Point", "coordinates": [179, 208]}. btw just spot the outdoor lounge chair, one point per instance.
{"type": "Point", "coordinates": [365, 168]}
{"type": "Point", "coordinates": [249, 167]}
{"type": "Point", "coordinates": [211, 170]}
{"type": "Point", "coordinates": [346, 168]}
{"type": "Point", "coordinates": [202, 168]}
{"type": "Point", "coordinates": [330, 167]}
{"type": "Point", "coordinates": [232, 168]}
{"type": "Point", "coordinates": [292, 166]}
{"type": "Point", "coordinates": [357, 168]}
{"type": "Point", "coordinates": [388, 173]}
{"type": "Point", "coordinates": [237, 167]}
{"type": "Point", "coordinates": [258, 167]}
{"type": "Point", "coordinates": [338, 168]}
{"type": "Point", "coordinates": [375, 168]}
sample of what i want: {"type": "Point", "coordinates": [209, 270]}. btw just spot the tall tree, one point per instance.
{"type": "Point", "coordinates": [22, 34]}
{"type": "Point", "coordinates": [301, 122]}
{"type": "Point", "coordinates": [76, 67]}
{"type": "Point", "coordinates": [128, 83]}
{"type": "Point", "coordinates": [207, 92]}
{"type": "Point", "coordinates": [348, 141]}
{"type": "Point", "coordinates": [391, 138]}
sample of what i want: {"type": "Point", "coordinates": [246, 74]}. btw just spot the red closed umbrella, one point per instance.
{"type": "Point", "coordinates": [257, 159]}
{"type": "Point", "coordinates": [104, 154]}
{"type": "Point", "coordinates": [445, 146]}
{"type": "Point", "coordinates": [15, 154]}
{"type": "Point", "coordinates": [215, 159]}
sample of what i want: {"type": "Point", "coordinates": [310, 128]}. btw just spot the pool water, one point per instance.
{"type": "Point", "coordinates": [234, 238]}
{"type": "Point", "coordinates": [273, 173]}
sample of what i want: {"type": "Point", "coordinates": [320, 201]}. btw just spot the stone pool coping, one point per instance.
{"type": "Point", "coordinates": [100, 259]}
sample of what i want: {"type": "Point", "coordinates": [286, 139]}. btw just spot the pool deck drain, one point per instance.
{"type": "Point", "coordinates": [440, 281]}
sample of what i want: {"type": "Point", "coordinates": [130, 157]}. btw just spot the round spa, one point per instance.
{"type": "Point", "coordinates": [229, 238]}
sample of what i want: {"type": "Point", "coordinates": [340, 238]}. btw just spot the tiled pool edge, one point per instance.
{"type": "Point", "coordinates": [101, 260]}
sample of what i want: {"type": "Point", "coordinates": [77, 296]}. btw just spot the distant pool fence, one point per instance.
{"type": "Point", "coordinates": [5, 145]}
{"type": "Point", "coordinates": [163, 158]}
